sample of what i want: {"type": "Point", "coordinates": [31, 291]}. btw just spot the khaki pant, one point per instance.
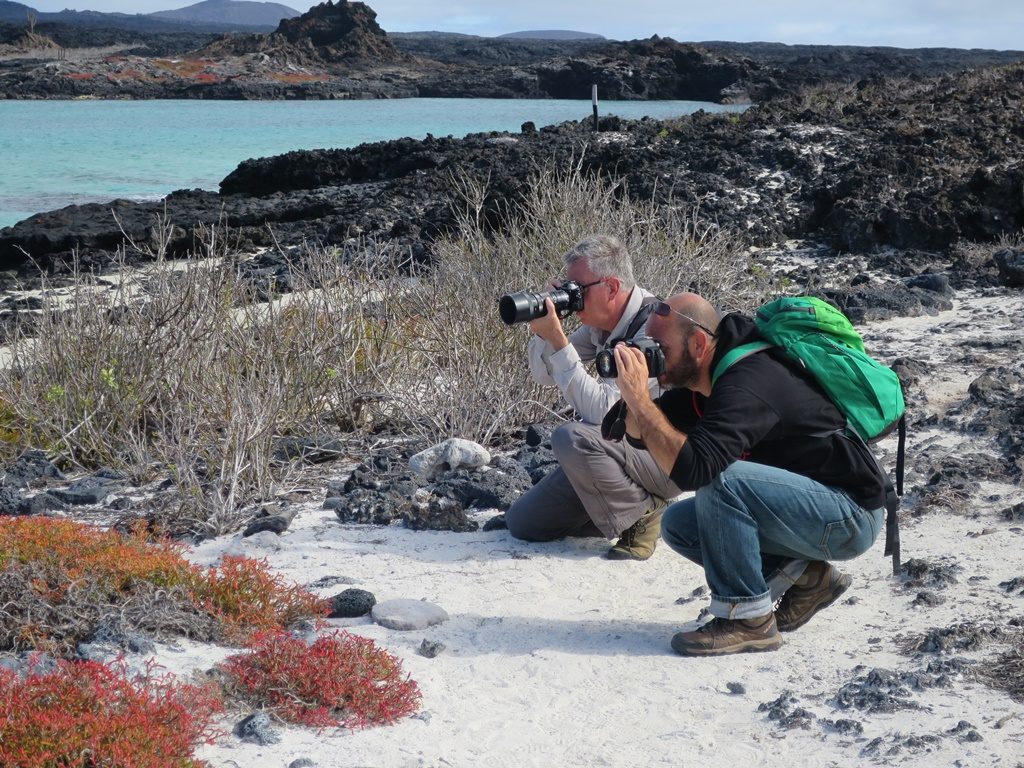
{"type": "Point", "coordinates": [600, 488]}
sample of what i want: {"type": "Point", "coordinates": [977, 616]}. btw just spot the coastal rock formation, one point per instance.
{"type": "Point", "coordinates": [341, 32]}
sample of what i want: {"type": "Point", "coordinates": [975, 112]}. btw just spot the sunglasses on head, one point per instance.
{"type": "Point", "coordinates": [664, 309]}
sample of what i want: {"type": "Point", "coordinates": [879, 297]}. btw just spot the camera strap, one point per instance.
{"type": "Point", "coordinates": [646, 308]}
{"type": "Point", "coordinates": [613, 426]}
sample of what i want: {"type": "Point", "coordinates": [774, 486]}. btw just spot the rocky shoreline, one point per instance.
{"type": "Point", "coordinates": [915, 166]}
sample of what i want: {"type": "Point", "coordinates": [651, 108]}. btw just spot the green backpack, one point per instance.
{"type": "Point", "coordinates": [825, 343]}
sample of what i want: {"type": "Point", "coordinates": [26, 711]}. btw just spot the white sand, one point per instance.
{"type": "Point", "coordinates": [556, 657]}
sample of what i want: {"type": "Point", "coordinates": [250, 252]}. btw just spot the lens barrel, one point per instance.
{"type": "Point", "coordinates": [524, 306]}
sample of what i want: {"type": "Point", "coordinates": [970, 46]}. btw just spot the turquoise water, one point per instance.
{"type": "Point", "coordinates": [56, 153]}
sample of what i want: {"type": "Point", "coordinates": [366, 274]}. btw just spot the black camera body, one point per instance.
{"type": "Point", "coordinates": [524, 306]}
{"type": "Point", "coordinates": [652, 354]}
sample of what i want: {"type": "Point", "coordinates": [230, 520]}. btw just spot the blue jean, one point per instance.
{"type": "Point", "coordinates": [754, 529]}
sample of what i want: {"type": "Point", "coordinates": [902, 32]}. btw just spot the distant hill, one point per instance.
{"type": "Point", "coordinates": [240, 12]}
{"type": "Point", "coordinates": [14, 13]}
{"type": "Point", "coordinates": [214, 16]}
{"type": "Point", "coordinates": [552, 34]}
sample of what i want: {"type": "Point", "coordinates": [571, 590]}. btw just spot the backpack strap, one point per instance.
{"type": "Point", "coordinates": [893, 493]}
{"type": "Point", "coordinates": [892, 501]}
{"type": "Point", "coordinates": [735, 355]}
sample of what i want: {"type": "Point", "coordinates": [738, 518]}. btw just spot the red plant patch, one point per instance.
{"type": "Point", "coordinates": [298, 77]}
{"type": "Point", "coordinates": [91, 714]}
{"type": "Point", "coordinates": [80, 75]}
{"type": "Point", "coordinates": [339, 680]}
{"type": "Point", "coordinates": [61, 560]}
{"type": "Point", "coordinates": [247, 598]}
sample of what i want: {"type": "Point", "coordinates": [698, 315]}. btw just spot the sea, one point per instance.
{"type": "Point", "coordinates": [58, 153]}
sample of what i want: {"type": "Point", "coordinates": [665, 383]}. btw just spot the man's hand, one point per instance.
{"type": "Point", "coordinates": [549, 328]}
{"type": "Point", "coordinates": [644, 420]}
{"type": "Point", "coordinates": [633, 375]}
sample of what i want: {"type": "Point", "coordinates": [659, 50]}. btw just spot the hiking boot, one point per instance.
{"type": "Point", "coordinates": [721, 636]}
{"type": "Point", "coordinates": [638, 541]}
{"type": "Point", "coordinates": [818, 587]}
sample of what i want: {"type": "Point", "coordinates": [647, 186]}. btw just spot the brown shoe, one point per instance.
{"type": "Point", "coordinates": [818, 587]}
{"type": "Point", "coordinates": [639, 540]}
{"type": "Point", "coordinates": [721, 636]}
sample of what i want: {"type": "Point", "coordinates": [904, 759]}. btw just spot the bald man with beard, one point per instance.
{"type": "Point", "coordinates": [780, 488]}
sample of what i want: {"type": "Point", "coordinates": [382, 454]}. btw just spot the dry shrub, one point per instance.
{"type": "Point", "coordinates": [1006, 671]}
{"type": "Point", "coordinates": [182, 369]}
{"type": "Point", "coordinates": [90, 714]}
{"type": "Point", "coordinates": [464, 372]}
{"type": "Point", "coordinates": [339, 680]}
{"type": "Point", "coordinates": [59, 580]}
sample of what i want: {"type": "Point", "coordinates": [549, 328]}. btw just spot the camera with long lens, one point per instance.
{"type": "Point", "coordinates": [653, 355]}
{"type": "Point", "coordinates": [524, 306]}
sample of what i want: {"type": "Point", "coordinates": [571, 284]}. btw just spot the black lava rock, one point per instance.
{"type": "Point", "coordinates": [351, 603]}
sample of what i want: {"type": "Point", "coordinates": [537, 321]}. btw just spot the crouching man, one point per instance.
{"type": "Point", "coordinates": [781, 490]}
{"type": "Point", "coordinates": [599, 488]}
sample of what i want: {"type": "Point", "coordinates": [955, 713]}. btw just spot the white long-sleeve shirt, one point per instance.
{"type": "Point", "coordinates": [591, 396]}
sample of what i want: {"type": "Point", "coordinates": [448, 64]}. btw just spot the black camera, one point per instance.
{"type": "Point", "coordinates": [524, 306]}
{"type": "Point", "coordinates": [652, 354]}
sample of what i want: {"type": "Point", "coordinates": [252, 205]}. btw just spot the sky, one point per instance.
{"type": "Point", "coordinates": [996, 24]}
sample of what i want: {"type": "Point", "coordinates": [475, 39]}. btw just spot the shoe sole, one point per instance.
{"type": "Point", "coordinates": [838, 589]}
{"type": "Point", "coordinates": [748, 646]}
{"type": "Point", "coordinates": [618, 554]}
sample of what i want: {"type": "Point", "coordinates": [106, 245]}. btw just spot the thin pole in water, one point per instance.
{"type": "Point", "coordinates": [593, 99]}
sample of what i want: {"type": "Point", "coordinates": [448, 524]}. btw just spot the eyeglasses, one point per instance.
{"type": "Point", "coordinates": [664, 309]}
{"type": "Point", "coordinates": [581, 286]}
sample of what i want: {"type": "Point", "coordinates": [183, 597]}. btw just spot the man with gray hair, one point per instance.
{"type": "Point", "coordinates": [601, 487]}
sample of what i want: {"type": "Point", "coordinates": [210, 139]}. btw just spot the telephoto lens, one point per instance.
{"type": "Point", "coordinates": [521, 307]}
{"type": "Point", "coordinates": [524, 306]}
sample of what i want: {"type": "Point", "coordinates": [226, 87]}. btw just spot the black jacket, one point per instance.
{"type": "Point", "coordinates": [764, 408]}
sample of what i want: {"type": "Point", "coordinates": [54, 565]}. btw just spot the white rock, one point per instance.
{"type": "Point", "coordinates": [405, 614]}
{"type": "Point", "coordinates": [456, 453]}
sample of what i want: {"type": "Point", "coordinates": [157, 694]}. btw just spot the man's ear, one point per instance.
{"type": "Point", "coordinates": [614, 286]}
{"type": "Point", "coordinates": [703, 343]}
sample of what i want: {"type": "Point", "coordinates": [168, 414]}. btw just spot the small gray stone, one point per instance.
{"type": "Point", "coordinates": [351, 603]}
{"type": "Point", "coordinates": [496, 523]}
{"type": "Point", "coordinates": [89, 490]}
{"type": "Point", "coordinates": [256, 729]}
{"type": "Point", "coordinates": [429, 649]}
{"type": "Point", "coordinates": [303, 762]}
{"type": "Point", "coordinates": [736, 688]}
{"type": "Point", "coordinates": [405, 614]}
{"type": "Point", "coordinates": [331, 581]}
{"type": "Point", "coordinates": [276, 524]}
{"type": "Point", "coordinates": [98, 652]}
